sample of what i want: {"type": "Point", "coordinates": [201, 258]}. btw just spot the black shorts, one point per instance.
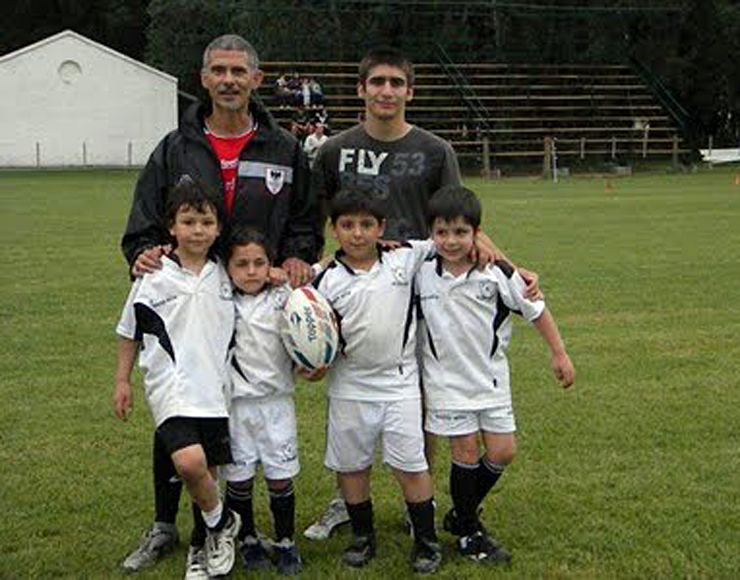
{"type": "Point", "coordinates": [210, 433]}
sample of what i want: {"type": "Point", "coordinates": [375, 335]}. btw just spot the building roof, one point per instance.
{"type": "Point", "coordinates": [72, 34]}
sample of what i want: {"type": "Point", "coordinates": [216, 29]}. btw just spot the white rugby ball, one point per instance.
{"type": "Point", "coordinates": [310, 331]}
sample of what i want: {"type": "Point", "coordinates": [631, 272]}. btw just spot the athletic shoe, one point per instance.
{"type": "Point", "coordinates": [426, 556]}
{"type": "Point", "coordinates": [450, 523]}
{"type": "Point", "coordinates": [156, 542]}
{"type": "Point", "coordinates": [195, 566]}
{"type": "Point", "coordinates": [287, 559]}
{"type": "Point", "coordinates": [483, 548]}
{"type": "Point", "coordinates": [254, 555]}
{"type": "Point", "coordinates": [220, 549]}
{"type": "Point", "coordinates": [360, 551]}
{"type": "Point", "coordinates": [334, 516]}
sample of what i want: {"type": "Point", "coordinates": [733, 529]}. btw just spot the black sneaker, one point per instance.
{"type": "Point", "coordinates": [360, 552]}
{"type": "Point", "coordinates": [253, 553]}
{"type": "Point", "coordinates": [426, 556]}
{"type": "Point", "coordinates": [450, 522]}
{"type": "Point", "coordinates": [287, 559]}
{"type": "Point", "coordinates": [483, 548]}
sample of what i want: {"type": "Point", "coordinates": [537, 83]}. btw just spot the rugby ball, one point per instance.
{"type": "Point", "coordinates": [310, 331]}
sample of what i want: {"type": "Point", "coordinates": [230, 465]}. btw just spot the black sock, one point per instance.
{"type": "Point", "coordinates": [422, 519]}
{"type": "Point", "coordinates": [361, 517]}
{"type": "Point", "coordinates": [239, 499]}
{"type": "Point", "coordinates": [487, 474]}
{"type": "Point", "coordinates": [198, 536]}
{"type": "Point", "coordinates": [464, 490]}
{"type": "Point", "coordinates": [167, 486]}
{"type": "Point", "coordinates": [282, 506]}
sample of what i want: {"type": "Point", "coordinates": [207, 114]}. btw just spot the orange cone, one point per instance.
{"type": "Point", "coordinates": [607, 185]}
{"type": "Point", "coordinates": [737, 179]}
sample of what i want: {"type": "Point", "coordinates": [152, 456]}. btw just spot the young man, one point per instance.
{"type": "Point", "coordinates": [182, 317]}
{"type": "Point", "coordinates": [373, 384]}
{"type": "Point", "coordinates": [399, 164]}
{"type": "Point", "coordinates": [259, 176]}
{"type": "Point", "coordinates": [467, 313]}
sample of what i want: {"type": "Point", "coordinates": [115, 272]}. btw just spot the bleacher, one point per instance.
{"type": "Point", "coordinates": [593, 112]}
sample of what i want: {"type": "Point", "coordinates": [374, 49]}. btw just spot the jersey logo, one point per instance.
{"type": "Point", "coordinates": [486, 290]}
{"type": "Point", "coordinates": [274, 179]}
{"type": "Point", "coordinates": [399, 276]}
{"type": "Point", "coordinates": [225, 290]}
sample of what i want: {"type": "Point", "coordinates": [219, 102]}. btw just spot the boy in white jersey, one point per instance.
{"type": "Point", "coordinates": [373, 384]}
{"type": "Point", "coordinates": [467, 314]}
{"type": "Point", "coordinates": [262, 414]}
{"type": "Point", "coordinates": [181, 319]}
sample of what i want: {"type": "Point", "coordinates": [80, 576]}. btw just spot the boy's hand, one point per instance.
{"type": "Point", "coordinates": [563, 369]}
{"type": "Point", "coordinates": [123, 400]}
{"type": "Point", "coordinates": [389, 244]}
{"type": "Point", "coordinates": [531, 279]}
{"type": "Point", "coordinates": [312, 376]}
{"type": "Point", "coordinates": [299, 272]}
{"type": "Point", "coordinates": [277, 276]}
{"type": "Point", "coordinates": [149, 260]}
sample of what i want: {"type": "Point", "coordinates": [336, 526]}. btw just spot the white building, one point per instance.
{"type": "Point", "coordinates": [69, 101]}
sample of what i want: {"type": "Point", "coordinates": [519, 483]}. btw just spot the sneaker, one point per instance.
{"type": "Point", "coordinates": [360, 551]}
{"type": "Point", "coordinates": [156, 542]}
{"type": "Point", "coordinates": [220, 548]}
{"type": "Point", "coordinates": [287, 559]}
{"type": "Point", "coordinates": [254, 555]}
{"type": "Point", "coordinates": [483, 548]}
{"type": "Point", "coordinates": [195, 566]}
{"type": "Point", "coordinates": [450, 522]}
{"type": "Point", "coordinates": [426, 556]}
{"type": "Point", "coordinates": [334, 516]}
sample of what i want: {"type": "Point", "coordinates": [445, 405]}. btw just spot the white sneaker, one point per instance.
{"type": "Point", "coordinates": [195, 566]}
{"type": "Point", "coordinates": [334, 515]}
{"type": "Point", "coordinates": [221, 547]}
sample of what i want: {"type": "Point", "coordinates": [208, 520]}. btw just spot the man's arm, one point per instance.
{"type": "Point", "coordinates": [144, 229]}
{"type": "Point", "coordinates": [303, 238]}
{"type": "Point", "coordinates": [560, 361]}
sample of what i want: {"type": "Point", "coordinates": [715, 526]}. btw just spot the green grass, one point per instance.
{"type": "Point", "coordinates": [634, 474]}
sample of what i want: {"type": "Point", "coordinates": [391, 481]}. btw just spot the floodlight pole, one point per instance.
{"type": "Point", "coordinates": [554, 160]}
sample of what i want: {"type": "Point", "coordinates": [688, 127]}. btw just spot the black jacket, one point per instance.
{"type": "Point", "coordinates": [272, 190]}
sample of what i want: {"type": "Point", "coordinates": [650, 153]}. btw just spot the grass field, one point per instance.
{"type": "Point", "coordinates": [634, 474]}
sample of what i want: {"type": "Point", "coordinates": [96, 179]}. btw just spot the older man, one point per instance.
{"type": "Point", "coordinates": [259, 177]}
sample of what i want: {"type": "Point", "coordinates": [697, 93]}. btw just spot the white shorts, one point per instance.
{"type": "Point", "coordinates": [355, 426]}
{"type": "Point", "coordinates": [451, 423]}
{"type": "Point", "coordinates": [262, 431]}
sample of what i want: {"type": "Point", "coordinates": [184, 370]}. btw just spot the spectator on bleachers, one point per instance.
{"type": "Point", "coordinates": [313, 141]}
{"type": "Point", "coordinates": [282, 92]}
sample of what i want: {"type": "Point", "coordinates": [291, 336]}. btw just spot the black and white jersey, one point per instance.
{"type": "Point", "coordinates": [185, 323]}
{"type": "Point", "coordinates": [377, 321]}
{"type": "Point", "coordinates": [468, 329]}
{"type": "Point", "coordinates": [261, 366]}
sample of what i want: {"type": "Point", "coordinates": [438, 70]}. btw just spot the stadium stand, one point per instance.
{"type": "Point", "coordinates": [596, 112]}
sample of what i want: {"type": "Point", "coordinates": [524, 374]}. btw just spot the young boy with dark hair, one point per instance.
{"type": "Point", "coordinates": [373, 384]}
{"type": "Point", "coordinates": [262, 418]}
{"type": "Point", "coordinates": [180, 320]}
{"type": "Point", "coordinates": [467, 313]}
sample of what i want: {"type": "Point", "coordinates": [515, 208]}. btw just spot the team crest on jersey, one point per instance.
{"type": "Point", "coordinates": [399, 276]}
{"type": "Point", "coordinates": [225, 290]}
{"type": "Point", "coordinates": [274, 179]}
{"type": "Point", "coordinates": [486, 290]}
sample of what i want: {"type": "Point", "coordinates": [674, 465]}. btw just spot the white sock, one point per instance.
{"type": "Point", "coordinates": [214, 516]}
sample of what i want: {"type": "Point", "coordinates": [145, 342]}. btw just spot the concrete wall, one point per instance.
{"type": "Point", "coordinates": [68, 101]}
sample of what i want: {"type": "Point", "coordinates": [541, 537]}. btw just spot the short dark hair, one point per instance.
{"type": "Point", "coordinates": [191, 193]}
{"type": "Point", "coordinates": [246, 236]}
{"type": "Point", "coordinates": [453, 201]}
{"type": "Point", "coordinates": [350, 201]}
{"type": "Point", "coordinates": [385, 55]}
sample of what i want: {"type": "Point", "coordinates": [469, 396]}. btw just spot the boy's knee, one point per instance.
{"type": "Point", "coordinates": [240, 487]}
{"type": "Point", "coordinates": [190, 463]}
{"type": "Point", "coordinates": [502, 454]}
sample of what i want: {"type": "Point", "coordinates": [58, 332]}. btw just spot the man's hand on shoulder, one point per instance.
{"type": "Point", "coordinates": [531, 279]}
{"type": "Point", "coordinates": [148, 261]}
{"type": "Point", "coordinates": [299, 272]}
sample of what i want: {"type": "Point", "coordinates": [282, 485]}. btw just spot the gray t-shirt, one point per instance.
{"type": "Point", "coordinates": [405, 173]}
